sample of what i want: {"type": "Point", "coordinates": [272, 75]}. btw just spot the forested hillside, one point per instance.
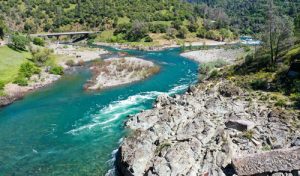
{"type": "Point", "coordinates": [247, 15]}
{"type": "Point", "coordinates": [56, 15]}
{"type": "Point", "coordinates": [134, 20]}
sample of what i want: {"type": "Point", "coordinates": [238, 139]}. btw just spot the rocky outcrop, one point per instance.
{"type": "Point", "coordinates": [119, 71]}
{"type": "Point", "coordinates": [272, 161]}
{"type": "Point", "coordinates": [202, 131]}
{"type": "Point", "coordinates": [7, 100]}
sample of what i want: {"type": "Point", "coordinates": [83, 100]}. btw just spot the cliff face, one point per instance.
{"type": "Point", "coordinates": [213, 129]}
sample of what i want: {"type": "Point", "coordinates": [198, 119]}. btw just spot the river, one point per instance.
{"type": "Point", "coordinates": [64, 130]}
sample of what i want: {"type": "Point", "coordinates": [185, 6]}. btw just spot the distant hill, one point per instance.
{"type": "Point", "coordinates": [249, 15]}
{"type": "Point", "coordinates": [55, 15]}
{"type": "Point", "coordinates": [240, 16]}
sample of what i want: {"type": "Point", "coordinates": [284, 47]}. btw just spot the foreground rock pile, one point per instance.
{"type": "Point", "coordinates": [214, 129]}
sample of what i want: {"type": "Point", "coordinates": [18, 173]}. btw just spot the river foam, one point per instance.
{"type": "Point", "coordinates": [121, 108]}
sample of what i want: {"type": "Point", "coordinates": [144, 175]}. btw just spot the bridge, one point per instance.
{"type": "Point", "coordinates": [82, 35]}
{"type": "Point", "coordinates": [63, 33]}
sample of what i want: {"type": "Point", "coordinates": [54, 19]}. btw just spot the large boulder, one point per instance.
{"type": "Point", "coordinates": [241, 125]}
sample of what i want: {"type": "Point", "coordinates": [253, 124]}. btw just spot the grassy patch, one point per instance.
{"type": "Point", "coordinates": [10, 61]}
{"type": "Point", "coordinates": [105, 36]}
{"type": "Point", "coordinates": [56, 59]}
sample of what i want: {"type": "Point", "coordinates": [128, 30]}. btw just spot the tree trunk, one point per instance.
{"type": "Point", "coordinates": [277, 49]}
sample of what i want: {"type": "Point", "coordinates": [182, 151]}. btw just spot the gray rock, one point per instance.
{"type": "Point", "coordinates": [241, 125]}
{"type": "Point", "coordinates": [285, 160]}
{"type": "Point", "coordinates": [195, 134]}
{"type": "Point", "coordinates": [296, 142]}
{"type": "Point", "coordinates": [163, 100]}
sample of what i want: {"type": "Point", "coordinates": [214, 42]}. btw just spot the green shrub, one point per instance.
{"type": "Point", "coordinates": [90, 41]}
{"type": "Point", "coordinates": [56, 70]}
{"type": "Point", "coordinates": [201, 33]}
{"type": "Point", "coordinates": [214, 35]}
{"type": "Point", "coordinates": [248, 134]}
{"type": "Point", "coordinates": [247, 48]}
{"type": "Point", "coordinates": [2, 84]}
{"type": "Point", "coordinates": [193, 27]}
{"type": "Point", "coordinates": [19, 42]}
{"type": "Point", "coordinates": [295, 96]}
{"type": "Point", "coordinates": [281, 103]}
{"type": "Point", "coordinates": [158, 28]}
{"type": "Point", "coordinates": [220, 63]}
{"type": "Point", "coordinates": [205, 68]}
{"type": "Point", "coordinates": [182, 32]}
{"type": "Point", "coordinates": [40, 57]}
{"type": "Point", "coordinates": [148, 39]}
{"type": "Point", "coordinates": [21, 80]}
{"type": "Point", "coordinates": [214, 74]}
{"type": "Point", "coordinates": [70, 63]}
{"type": "Point", "coordinates": [170, 33]}
{"type": "Point", "coordinates": [28, 69]}
{"type": "Point", "coordinates": [39, 41]}
{"type": "Point", "coordinates": [259, 84]}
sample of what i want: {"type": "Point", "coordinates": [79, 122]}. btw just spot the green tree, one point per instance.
{"type": "Point", "coordinates": [39, 41]}
{"type": "Point", "coordinates": [3, 28]}
{"type": "Point", "coordinates": [138, 31]}
{"type": "Point", "coordinates": [28, 69]}
{"type": "Point", "coordinates": [278, 32]}
{"type": "Point", "coordinates": [225, 33]}
{"type": "Point", "coordinates": [182, 32]}
{"type": "Point", "coordinates": [40, 57]}
{"type": "Point", "coordinates": [171, 33]}
{"type": "Point", "coordinates": [201, 33]}
{"type": "Point", "coordinates": [19, 42]}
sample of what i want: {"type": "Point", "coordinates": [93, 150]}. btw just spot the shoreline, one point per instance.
{"type": "Point", "coordinates": [78, 55]}
{"type": "Point", "coordinates": [164, 46]}
{"type": "Point", "coordinates": [212, 55]}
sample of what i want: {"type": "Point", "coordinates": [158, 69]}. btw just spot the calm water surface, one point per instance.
{"type": "Point", "coordinates": [64, 130]}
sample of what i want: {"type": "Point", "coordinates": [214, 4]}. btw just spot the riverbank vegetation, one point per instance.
{"type": "Point", "coordinates": [120, 21]}
{"type": "Point", "coordinates": [271, 70]}
{"type": "Point", "coordinates": [10, 61]}
{"type": "Point", "coordinates": [21, 59]}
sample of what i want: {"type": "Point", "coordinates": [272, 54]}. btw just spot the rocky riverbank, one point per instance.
{"type": "Point", "coordinates": [76, 55]}
{"type": "Point", "coordinates": [216, 128]}
{"type": "Point", "coordinates": [118, 71]}
{"type": "Point", "coordinates": [212, 55]}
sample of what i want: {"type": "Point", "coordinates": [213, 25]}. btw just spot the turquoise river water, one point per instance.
{"type": "Point", "coordinates": [64, 130]}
